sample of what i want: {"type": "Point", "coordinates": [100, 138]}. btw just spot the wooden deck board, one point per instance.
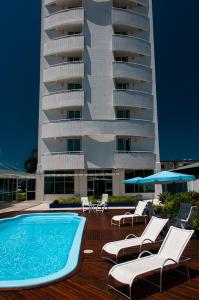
{"type": "Point", "coordinates": [89, 282]}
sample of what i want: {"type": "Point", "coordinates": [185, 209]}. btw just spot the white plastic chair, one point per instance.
{"type": "Point", "coordinates": [169, 255]}
{"type": "Point", "coordinates": [186, 222]}
{"type": "Point", "coordinates": [86, 205]}
{"type": "Point", "coordinates": [139, 211]}
{"type": "Point", "coordinates": [101, 205]}
{"type": "Point", "coordinates": [148, 236]}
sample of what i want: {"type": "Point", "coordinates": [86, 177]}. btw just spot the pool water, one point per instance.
{"type": "Point", "coordinates": [39, 248]}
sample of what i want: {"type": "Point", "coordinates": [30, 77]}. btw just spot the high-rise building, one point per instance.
{"type": "Point", "coordinates": [98, 111]}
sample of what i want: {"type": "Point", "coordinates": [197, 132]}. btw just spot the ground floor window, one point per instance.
{"type": "Point", "coordinates": [138, 188]}
{"type": "Point", "coordinates": [99, 182]}
{"type": "Point", "coordinates": [8, 187]}
{"type": "Point", "coordinates": [59, 182]}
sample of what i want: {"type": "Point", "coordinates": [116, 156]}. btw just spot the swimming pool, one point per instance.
{"type": "Point", "coordinates": [39, 248]}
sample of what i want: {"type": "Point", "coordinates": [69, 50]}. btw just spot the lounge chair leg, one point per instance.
{"type": "Point", "coordinates": [188, 273]}
{"type": "Point", "coordinates": [130, 287]}
{"type": "Point", "coordinates": [161, 271]}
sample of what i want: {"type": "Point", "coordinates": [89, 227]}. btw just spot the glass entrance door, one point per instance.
{"type": "Point", "coordinates": [99, 186]}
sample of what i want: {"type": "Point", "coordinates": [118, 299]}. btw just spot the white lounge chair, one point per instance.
{"type": "Point", "coordinates": [148, 236]}
{"type": "Point", "coordinates": [169, 255]}
{"type": "Point", "coordinates": [86, 205]}
{"type": "Point", "coordinates": [101, 205]}
{"type": "Point", "coordinates": [139, 211]}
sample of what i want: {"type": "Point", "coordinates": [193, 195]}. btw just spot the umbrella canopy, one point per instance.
{"type": "Point", "coordinates": [167, 177]}
{"type": "Point", "coordinates": [132, 180]}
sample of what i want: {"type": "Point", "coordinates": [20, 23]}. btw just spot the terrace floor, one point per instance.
{"type": "Point", "coordinates": [89, 280]}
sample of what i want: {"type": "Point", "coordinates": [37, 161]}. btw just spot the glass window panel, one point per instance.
{"type": "Point", "coordinates": [128, 145]}
{"type": "Point", "coordinates": [120, 144]}
{"type": "Point", "coordinates": [49, 188]}
{"type": "Point", "coordinates": [59, 187]}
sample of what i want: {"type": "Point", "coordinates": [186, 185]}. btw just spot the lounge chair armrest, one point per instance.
{"type": "Point", "coordinates": [168, 259]}
{"type": "Point", "coordinates": [184, 258]}
{"type": "Point", "coordinates": [145, 241]}
{"type": "Point", "coordinates": [129, 235]}
{"type": "Point", "coordinates": [127, 213]}
{"type": "Point", "coordinates": [159, 241]}
{"type": "Point", "coordinates": [144, 252]}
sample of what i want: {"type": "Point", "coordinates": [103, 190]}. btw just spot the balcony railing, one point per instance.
{"type": "Point", "coordinates": [64, 44]}
{"type": "Point", "coordinates": [64, 17]}
{"type": "Point", "coordinates": [132, 71]}
{"type": "Point", "coordinates": [132, 98]}
{"type": "Point", "coordinates": [68, 160]}
{"type": "Point", "coordinates": [134, 160]}
{"type": "Point", "coordinates": [64, 72]}
{"type": "Point", "coordinates": [94, 127]}
{"type": "Point", "coordinates": [132, 151]}
{"type": "Point", "coordinates": [130, 18]}
{"type": "Point", "coordinates": [63, 63]}
{"type": "Point", "coordinates": [131, 44]}
{"type": "Point", "coordinates": [62, 120]}
{"type": "Point", "coordinates": [63, 152]}
{"type": "Point", "coordinates": [63, 91]}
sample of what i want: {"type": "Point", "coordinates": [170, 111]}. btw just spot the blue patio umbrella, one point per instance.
{"type": "Point", "coordinates": [134, 180]}
{"type": "Point", "coordinates": [165, 177]}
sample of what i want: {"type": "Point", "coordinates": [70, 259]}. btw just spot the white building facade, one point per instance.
{"type": "Point", "coordinates": [98, 109]}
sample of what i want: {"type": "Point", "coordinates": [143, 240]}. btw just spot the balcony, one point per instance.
{"type": "Point", "coordinates": [134, 160]}
{"type": "Point", "coordinates": [68, 98]}
{"type": "Point", "coordinates": [130, 44]}
{"type": "Point", "coordinates": [70, 128]}
{"type": "Point", "coordinates": [64, 71]}
{"type": "Point", "coordinates": [64, 44]}
{"type": "Point", "coordinates": [132, 71]}
{"type": "Point", "coordinates": [63, 18]}
{"type": "Point", "coordinates": [132, 98]}
{"type": "Point", "coordinates": [62, 161]}
{"type": "Point", "coordinates": [130, 19]}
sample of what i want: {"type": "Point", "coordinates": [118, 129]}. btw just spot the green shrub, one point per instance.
{"type": "Point", "coordinates": [164, 196]}
{"type": "Point", "coordinates": [172, 203]}
{"type": "Point", "coordinates": [21, 196]}
{"type": "Point", "coordinates": [159, 209]}
{"type": "Point", "coordinates": [115, 199]}
{"type": "Point", "coordinates": [94, 199]}
{"type": "Point", "coordinates": [196, 221]}
{"type": "Point", "coordinates": [65, 200]}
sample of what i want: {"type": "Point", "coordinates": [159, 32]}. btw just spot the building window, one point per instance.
{"type": "Point", "coordinates": [122, 58]}
{"type": "Point", "coordinates": [74, 32]}
{"type": "Point", "coordinates": [122, 114]}
{"type": "Point", "coordinates": [74, 59]}
{"type": "Point", "coordinates": [74, 145]}
{"type": "Point", "coordinates": [122, 86]}
{"type": "Point", "coordinates": [138, 188]}
{"type": "Point", "coordinates": [74, 86]}
{"type": "Point", "coordinates": [74, 114]}
{"type": "Point", "coordinates": [121, 32]}
{"type": "Point", "coordinates": [123, 144]}
{"type": "Point", "coordinates": [59, 184]}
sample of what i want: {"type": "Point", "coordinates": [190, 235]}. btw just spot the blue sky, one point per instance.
{"type": "Point", "coordinates": [176, 26]}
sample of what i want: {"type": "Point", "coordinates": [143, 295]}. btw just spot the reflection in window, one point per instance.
{"type": "Point", "coordinates": [123, 144]}
{"type": "Point", "coordinates": [59, 184]}
{"type": "Point", "coordinates": [138, 188]}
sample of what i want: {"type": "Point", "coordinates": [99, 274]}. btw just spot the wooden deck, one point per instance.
{"type": "Point", "coordinates": [89, 280]}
